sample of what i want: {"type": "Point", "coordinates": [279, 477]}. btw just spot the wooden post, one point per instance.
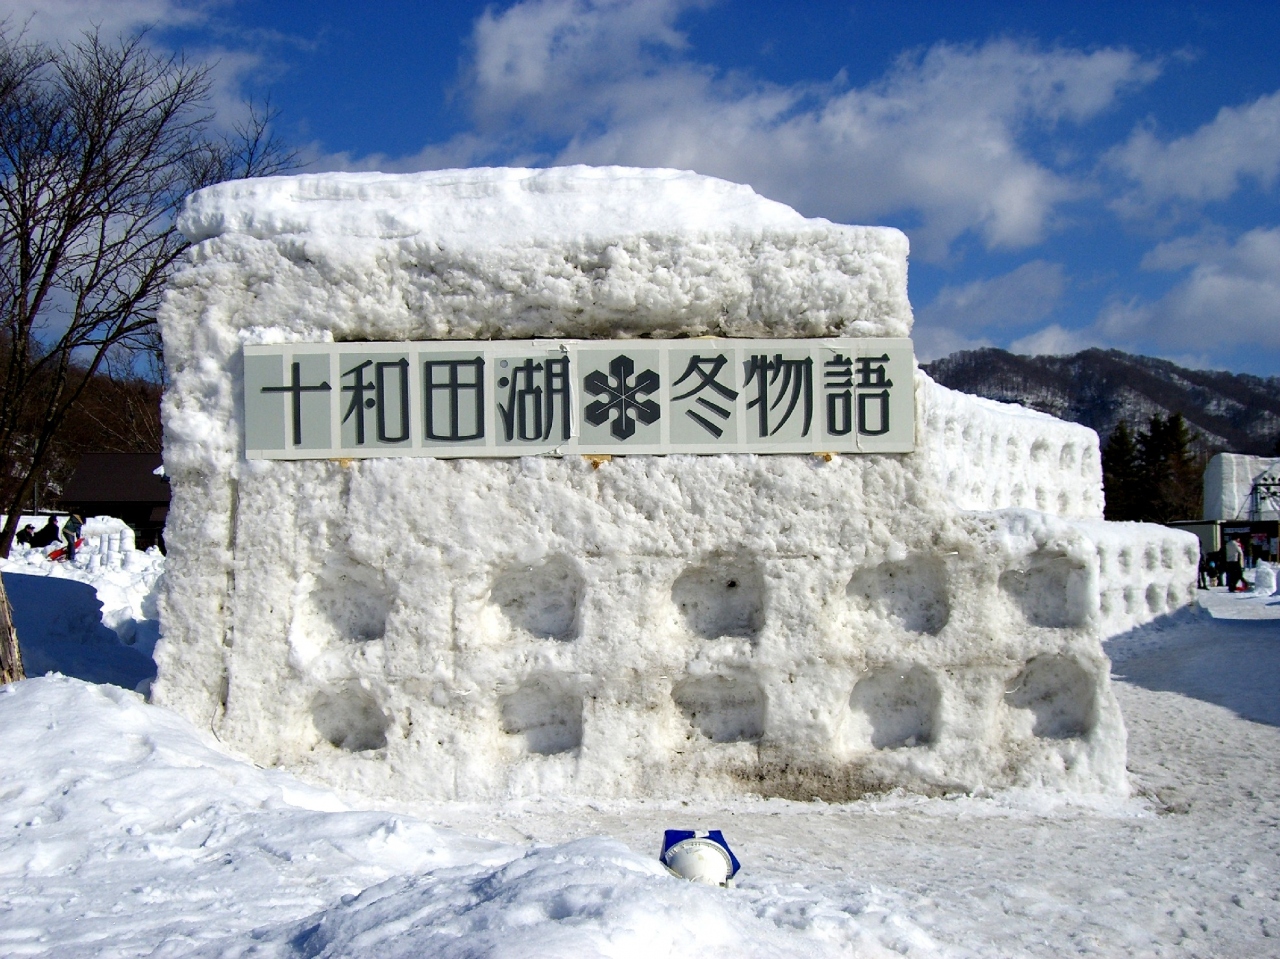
{"type": "Point", "coordinates": [10, 655]}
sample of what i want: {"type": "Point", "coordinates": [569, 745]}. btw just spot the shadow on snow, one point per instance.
{"type": "Point", "coordinates": [1233, 663]}
{"type": "Point", "coordinates": [59, 623]}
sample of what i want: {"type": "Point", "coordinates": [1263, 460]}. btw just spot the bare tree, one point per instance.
{"type": "Point", "coordinates": [100, 141]}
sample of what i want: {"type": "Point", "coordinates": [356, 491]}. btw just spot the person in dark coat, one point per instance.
{"type": "Point", "coordinates": [1213, 568]}
{"type": "Point", "coordinates": [71, 532]}
{"type": "Point", "coordinates": [46, 534]}
{"type": "Point", "coordinates": [25, 534]}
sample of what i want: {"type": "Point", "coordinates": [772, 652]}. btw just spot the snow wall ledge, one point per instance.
{"type": "Point", "coordinates": [658, 626]}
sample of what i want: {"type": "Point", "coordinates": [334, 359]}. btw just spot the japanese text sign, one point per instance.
{"type": "Point", "coordinates": [520, 397]}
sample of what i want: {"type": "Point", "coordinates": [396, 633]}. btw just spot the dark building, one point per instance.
{"type": "Point", "coordinates": [123, 485]}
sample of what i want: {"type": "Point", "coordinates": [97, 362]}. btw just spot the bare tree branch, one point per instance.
{"type": "Point", "coordinates": [100, 142]}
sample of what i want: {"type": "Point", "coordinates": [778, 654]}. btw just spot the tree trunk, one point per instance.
{"type": "Point", "coordinates": [10, 655]}
{"type": "Point", "coordinates": [13, 516]}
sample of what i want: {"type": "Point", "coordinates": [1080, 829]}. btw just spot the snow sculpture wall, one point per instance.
{"type": "Point", "coordinates": [995, 455]}
{"type": "Point", "coordinates": [1228, 486]}
{"type": "Point", "coordinates": [643, 626]}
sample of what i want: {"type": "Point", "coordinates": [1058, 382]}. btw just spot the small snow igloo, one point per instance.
{"type": "Point", "coordinates": [616, 483]}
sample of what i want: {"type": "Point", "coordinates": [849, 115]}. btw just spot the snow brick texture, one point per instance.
{"type": "Point", "coordinates": [644, 626]}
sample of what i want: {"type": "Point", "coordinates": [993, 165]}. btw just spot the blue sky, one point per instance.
{"type": "Point", "coordinates": [1070, 174]}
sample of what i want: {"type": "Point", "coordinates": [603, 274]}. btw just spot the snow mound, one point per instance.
{"type": "Point", "coordinates": [96, 617]}
{"type": "Point", "coordinates": [485, 208]}
{"type": "Point", "coordinates": [571, 252]}
{"type": "Point", "coordinates": [590, 897]}
{"type": "Point", "coordinates": [174, 848]}
{"type": "Point", "coordinates": [785, 625]}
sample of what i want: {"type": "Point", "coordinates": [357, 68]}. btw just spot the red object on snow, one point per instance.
{"type": "Point", "coordinates": [60, 553]}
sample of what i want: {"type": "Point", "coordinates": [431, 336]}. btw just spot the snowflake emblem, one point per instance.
{"type": "Point", "coordinates": [621, 398]}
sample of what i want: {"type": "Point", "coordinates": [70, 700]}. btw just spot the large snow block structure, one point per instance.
{"type": "Point", "coordinates": [803, 624]}
{"type": "Point", "coordinates": [1239, 487]}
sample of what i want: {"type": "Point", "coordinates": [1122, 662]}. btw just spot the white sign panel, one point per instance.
{"type": "Point", "coordinates": [556, 397]}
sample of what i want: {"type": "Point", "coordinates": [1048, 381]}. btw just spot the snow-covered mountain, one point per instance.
{"type": "Point", "coordinates": [1098, 388]}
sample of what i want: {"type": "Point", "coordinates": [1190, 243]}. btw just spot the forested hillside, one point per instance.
{"type": "Point", "coordinates": [1099, 388]}
{"type": "Point", "coordinates": [116, 414]}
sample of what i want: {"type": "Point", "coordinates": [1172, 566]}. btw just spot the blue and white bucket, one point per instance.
{"type": "Point", "coordinates": [699, 856]}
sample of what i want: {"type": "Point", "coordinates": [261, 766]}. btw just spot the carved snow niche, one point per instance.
{"type": "Point", "coordinates": [347, 602]}
{"type": "Point", "coordinates": [724, 709]}
{"type": "Point", "coordinates": [1053, 697]}
{"type": "Point", "coordinates": [349, 717]}
{"type": "Point", "coordinates": [542, 599]}
{"type": "Point", "coordinates": [546, 715]}
{"type": "Point", "coordinates": [721, 599]}
{"type": "Point", "coordinates": [893, 707]}
{"type": "Point", "coordinates": [911, 594]}
{"type": "Point", "coordinates": [1051, 590]}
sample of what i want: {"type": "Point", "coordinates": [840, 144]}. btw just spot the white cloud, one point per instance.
{"type": "Point", "coordinates": [559, 63]}
{"type": "Point", "coordinates": [1054, 340]}
{"type": "Point", "coordinates": [67, 21]}
{"type": "Point", "coordinates": [1240, 143]}
{"type": "Point", "coordinates": [932, 343]}
{"type": "Point", "coordinates": [1229, 299]}
{"type": "Point", "coordinates": [1018, 298]}
{"type": "Point", "coordinates": [974, 314]}
{"type": "Point", "coordinates": [54, 21]}
{"type": "Point", "coordinates": [228, 71]}
{"type": "Point", "coordinates": [939, 140]}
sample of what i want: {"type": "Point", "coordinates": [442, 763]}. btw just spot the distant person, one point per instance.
{"type": "Point", "coordinates": [71, 532]}
{"type": "Point", "coordinates": [25, 534]}
{"type": "Point", "coordinates": [46, 534]}
{"type": "Point", "coordinates": [1213, 568]}
{"type": "Point", "coordinates": [1235, 557]}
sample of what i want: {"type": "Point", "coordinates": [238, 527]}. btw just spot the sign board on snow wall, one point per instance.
{"type": "Point", "coordinates": [520, 397]}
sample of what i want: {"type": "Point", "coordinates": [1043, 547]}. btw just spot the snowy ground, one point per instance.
{"type": "Point", "coordinates": [126, 832]}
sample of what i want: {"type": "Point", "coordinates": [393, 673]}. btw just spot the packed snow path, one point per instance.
{"type": "Point", "coordinates": [126, 832]}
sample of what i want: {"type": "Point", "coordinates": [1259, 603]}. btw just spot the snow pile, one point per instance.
{"type": "Point", "coordinates": [1264, 579]}
{"type": "Point", "coordinates": [125, 831]}
{"type": "Point", "coordinates": [571, 252]}
{"type": "Point", "coordinates": [123, 578]}
{"type": "Point", "coordinates": [789, 625]}
{"type": "Point", "coordinates": [173, 848]}
{"type": "Point", "coordinates": [483, 209]}
{"type": "Point", "coordinates": [96, 617]}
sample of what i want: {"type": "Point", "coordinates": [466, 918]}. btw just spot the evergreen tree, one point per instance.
{"type": "Point", "coordinates": [1121, 475]}
{"type": "Point", "coordinates": [1155, 476]}
{"type": "Point", "coordinates": [1171, 471]}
